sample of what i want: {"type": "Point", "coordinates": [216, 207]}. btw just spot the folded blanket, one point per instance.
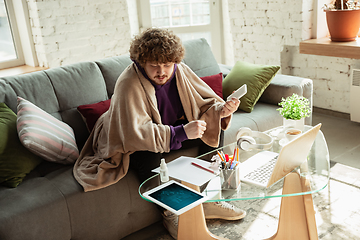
{"type": "Point", "coordinates": [133, 123]}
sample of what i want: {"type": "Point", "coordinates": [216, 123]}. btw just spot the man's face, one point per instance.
{"type": "Point", "coordinates": [159, 73]}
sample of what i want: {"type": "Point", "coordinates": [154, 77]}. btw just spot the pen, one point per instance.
{"type": "Point", "coordinates": [222, 159]}
{"type": "Point", "coordinates": [223, 155]}
{"type": "Point", "coordinates": [237, 154]}
{"type": "Point", "coordinates": [233, 159]}
{"type": "Point", "coordinates": [207, 169]}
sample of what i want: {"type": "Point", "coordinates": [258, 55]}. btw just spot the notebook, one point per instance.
{"type": "Point", "coordinates": [266, 168]}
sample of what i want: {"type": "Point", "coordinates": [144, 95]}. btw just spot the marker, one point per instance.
{"type": "Point", "coordinates": [207, 169]}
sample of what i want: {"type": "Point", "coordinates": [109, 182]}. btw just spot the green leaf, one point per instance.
{"type": "Point", "coordinates": [294, 107]}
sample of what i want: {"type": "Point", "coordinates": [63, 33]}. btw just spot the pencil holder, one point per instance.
{"type": "Point", "coordinates": [230, 178]}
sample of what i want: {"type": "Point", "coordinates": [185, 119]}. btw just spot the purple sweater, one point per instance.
{"type": "Point", "coordinates": [170, 108]}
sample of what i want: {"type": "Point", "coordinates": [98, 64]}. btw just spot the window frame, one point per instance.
{"type": "Point", "coordinates": [20, 60]}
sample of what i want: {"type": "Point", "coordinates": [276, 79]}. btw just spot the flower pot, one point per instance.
{"type": "Point", "coordinates": [290, 123]}
{"type": "Point", "coordinates": [343, 24]}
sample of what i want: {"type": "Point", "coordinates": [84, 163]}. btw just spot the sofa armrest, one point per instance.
{"type": "Point", "coordinates": [283, 86]}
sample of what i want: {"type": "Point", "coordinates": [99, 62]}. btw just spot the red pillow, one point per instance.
{"type": "Point", "coordinates": [215, 82]}
{"type": "Point", "coordinates": [92, 112]}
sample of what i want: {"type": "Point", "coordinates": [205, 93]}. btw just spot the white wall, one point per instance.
{"type": "Point", "coordinates": [70, 31]}
{"type": "Point", "coordinates": [260, 31]}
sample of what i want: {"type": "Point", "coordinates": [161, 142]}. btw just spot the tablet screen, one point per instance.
{"type": "Point", "coordinates": [175, 197]}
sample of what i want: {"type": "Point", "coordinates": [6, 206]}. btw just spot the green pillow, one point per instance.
{"type": "Point", "coordinates": [15, 160]}
{"type": "Point", "coordinates": [257, 78]}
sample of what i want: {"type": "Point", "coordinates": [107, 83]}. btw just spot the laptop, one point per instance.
{"type": "Point", "coordinates": [266, 168]}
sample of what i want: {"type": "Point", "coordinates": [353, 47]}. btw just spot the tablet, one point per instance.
{"type": "Point", "coordinates": [175, 197]}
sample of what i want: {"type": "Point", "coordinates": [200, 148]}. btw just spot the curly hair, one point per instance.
{"type": "Point", "coordinates": [156, 45]}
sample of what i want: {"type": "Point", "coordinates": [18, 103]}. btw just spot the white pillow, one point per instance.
{"type": "Point", "coordinates": [45, 135]}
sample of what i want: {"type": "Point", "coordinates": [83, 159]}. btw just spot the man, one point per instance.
{"type": "Point", "coordinates": [158, 106]}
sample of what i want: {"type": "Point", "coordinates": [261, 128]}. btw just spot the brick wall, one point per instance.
{"type": "Point", "coordinates": [70, 31]}
{"type": "Point", "coordinates": [261, 28]}
{"type": "Point", "coordinates": [269, 32]}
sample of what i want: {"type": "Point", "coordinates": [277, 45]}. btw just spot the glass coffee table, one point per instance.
{"type": "Point", "coordinates": [297, 215]}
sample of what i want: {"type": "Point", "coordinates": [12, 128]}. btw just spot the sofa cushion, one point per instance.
{"type": "Point", "coordinates": [215, 82]}
{"type": "Point", "coordinates": [199, 57]}
{"type": "Point", "coordinates": [256, 77]}
{"type": "Point", "coordinates": [34, 210]}
{"type": "Point", "coordinates": [15, 160]}
{"type": "Point", "coordinates": [92, 112]}
{"type": "Point", "coordinates": [36, 87]}
{"type": "Point", "coordinates": [7, 95]}
{"type": "Point", "coordinates": [45, 135]}
{"type": "Point", "coordinates": [74, 85]}
{"type": "Point", "coordinates": [115, 211]}
{"type": "Point", "coordinates": [111, 68]}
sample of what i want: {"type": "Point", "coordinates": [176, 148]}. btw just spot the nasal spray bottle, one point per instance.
{"type": "Point", "coordinates": [164, 174]}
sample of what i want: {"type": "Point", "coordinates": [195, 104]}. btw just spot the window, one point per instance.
{"type": "Point", "coordinates": [10, 47]}
{"type": "Point", "coordinates": [180, 13]}
{"type": "Point", "coordinates": [189, 19]}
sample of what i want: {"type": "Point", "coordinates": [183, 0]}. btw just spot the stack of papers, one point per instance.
{"type": "Point", "coordinates": [183, 170]}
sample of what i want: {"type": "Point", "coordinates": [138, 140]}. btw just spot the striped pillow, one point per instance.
{"type": "Point", "coordinates": [45, 135]}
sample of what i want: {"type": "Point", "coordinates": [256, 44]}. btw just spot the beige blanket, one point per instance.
{"type": "Point", "coordinates": [133, 123]}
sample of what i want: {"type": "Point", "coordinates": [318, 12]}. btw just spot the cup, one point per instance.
{"type": "Point", "coordinates": [292, 133]}
{"type": "Point", "coordinates": [230, 178]}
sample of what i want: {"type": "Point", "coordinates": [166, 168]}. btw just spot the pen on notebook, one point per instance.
{"type": "Point", "coordinates": [207, 169]}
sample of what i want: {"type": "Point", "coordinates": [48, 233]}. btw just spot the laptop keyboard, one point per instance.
{"type": "Point", "coordinates": [262, 174]}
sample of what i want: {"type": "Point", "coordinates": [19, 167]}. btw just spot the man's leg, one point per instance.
{"type": "Point", "coordinates": [219, 210]}
{"type": "Point", "coordinates": [215, 210]}
{"type": "Point", "coordinates": [143, 162]}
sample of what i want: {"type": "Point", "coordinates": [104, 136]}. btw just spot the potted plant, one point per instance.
{"type": "Point", "coordinates": [343, 20]}
{"type": "Point", "coordinates": [294, 109]}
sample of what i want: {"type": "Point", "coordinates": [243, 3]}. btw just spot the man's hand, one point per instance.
{"type": "Point", "coordinates": [195, 129]}
{"type": "Point", "coordinates": [229, 107]}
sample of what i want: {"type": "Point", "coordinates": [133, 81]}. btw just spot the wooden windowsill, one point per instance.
{"type": "Point", "coordinates": [19, 70]}
{"type": "Point", "coordinates": [326, 47]}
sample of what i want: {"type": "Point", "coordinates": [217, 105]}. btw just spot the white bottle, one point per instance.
{"type": "Point", "coordinates": [164, 174]}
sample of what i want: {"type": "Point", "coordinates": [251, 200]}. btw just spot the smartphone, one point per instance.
{"type": "Point", "coordinates": [241, 91]}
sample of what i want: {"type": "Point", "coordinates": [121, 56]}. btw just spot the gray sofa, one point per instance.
{"type": "Point", "coordinates": [50, 204]}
